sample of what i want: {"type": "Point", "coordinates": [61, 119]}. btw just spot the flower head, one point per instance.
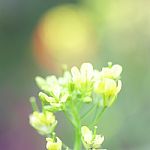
{"type": "Point", "coordinates": [44, 123]}
{"type": "Point", "coordinates": [56, 103]}
{"type": "Point", "coordinates": [90, 139]}
{"type": "Point", "coordinates": [108, 89]}
{"type": "Point", "coordinates": [55, 91]}
{"type": "Point", "coordinates": [107, 83]}
{"type": "Point", "coordinates": [83, 81]}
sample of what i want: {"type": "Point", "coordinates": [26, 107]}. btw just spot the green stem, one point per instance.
{"type": "Point", "coordinates": [77, 145]}
{"type": "Point", "coordinates": [98, 117]}
{"type": "Point", "coordinates": [77, 127]}
{"type": "Point", "coordinates": [88, 112]}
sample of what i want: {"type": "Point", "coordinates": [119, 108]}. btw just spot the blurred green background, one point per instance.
{"type": "Point", "coordinates": [36, 37]}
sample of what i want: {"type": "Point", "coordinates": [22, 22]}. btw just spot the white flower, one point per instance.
{"type": "Point", "coordinates": [98, 141]}
{"type": "Point", "coordinates": [53, 145]}
{"type": "Point", "coordinates": [84, 74]}
{"type": "Point", "coordinates": [111, 72]}
{"type": "Point", "coordinates": [87, 134]}
{"type": "Point", "coordinates": [86, 71]}
{"type": "Point", "coordinates": [90, 139]}
{"type": "Point", "coordinates": [108, 89]}
{"type": "Point", "coordinates": [55, 102]}
{"type": "Point", "coordinates": [42, 122]}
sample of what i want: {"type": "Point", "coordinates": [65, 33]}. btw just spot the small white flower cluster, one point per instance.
{"type": "Point", "coordinates": [91, 140]}
{"type": "Point", "coordinates": [44, 123]}
{"type": "Point", "coordinates": [80, 84]}
{"type": "Point", "coordinates": [108, 83]}
{"type": "Point", "coordinates": [68, 94]}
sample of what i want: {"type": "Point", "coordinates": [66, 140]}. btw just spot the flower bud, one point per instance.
{"type": "Point", "coordinates": [42, 84]}
{"type": "Point", "coordinates": [53, 145]}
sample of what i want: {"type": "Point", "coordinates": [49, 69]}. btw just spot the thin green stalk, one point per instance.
{"type": "Point", "coordinates": [98, 117]}
{"type": "Point", "coordinates": [66, 147]}
{"type": "Point", "coordinates": [70, 119]}
{"type": "Point", "coordinates": [76, 115]}
{"type": "Point", "coordinates": [88, 112]}
{"type": "Point", "coordinates": [33, 104]}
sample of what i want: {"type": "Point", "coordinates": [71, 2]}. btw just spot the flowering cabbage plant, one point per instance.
{"type": "Point", "coordinates": [71, 93]}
